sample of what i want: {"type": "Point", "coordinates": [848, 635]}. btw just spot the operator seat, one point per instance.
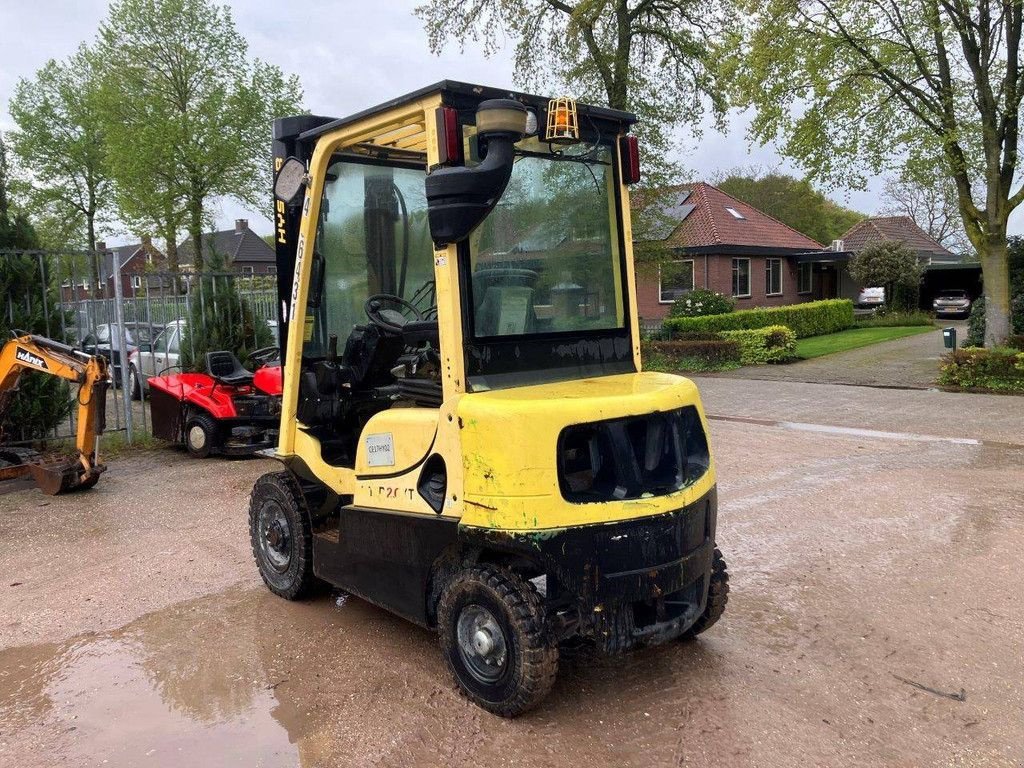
{"type": "Point", "coordinates": [225, 368]}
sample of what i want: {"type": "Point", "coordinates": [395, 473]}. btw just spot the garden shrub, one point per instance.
{"type": "Point", "coordinates": [1016, 342]}
{"type": "Point", "coordinates": [999, 369]}
{"type": "Point", "coordinates": [758, 346]}
{"type": "Point", "coordinates": [709, 354]}
{"type": "Point", "coordinates": [809, 319]}
{"type": "Point", "coordinates": [976, 322]}
{"type": "Point", "coordinates": [701, 302]}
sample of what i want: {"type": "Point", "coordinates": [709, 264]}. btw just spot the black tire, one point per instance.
{"type": "Point", "coordinates": [283, 555]}
{"type": "Point", "coordinates": [525, 669]}
{"type": "Point", "coordinates": [718, 597]}
{"type": "Point", "coordinates": [202, 434]}
{"type": "Point", "coordinates": [134, 385]}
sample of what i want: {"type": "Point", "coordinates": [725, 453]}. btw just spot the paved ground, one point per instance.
{"type": "Point", "coordinates": [875, 618]}
{"type": "Point", "coordinates": [910, 362]}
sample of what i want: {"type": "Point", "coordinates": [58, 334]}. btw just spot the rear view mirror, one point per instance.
{"type": "Point", "coordinates": [290, 180]}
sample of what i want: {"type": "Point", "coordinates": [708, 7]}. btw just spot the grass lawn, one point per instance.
{"type": "Point", "coordinates": [854, 338]}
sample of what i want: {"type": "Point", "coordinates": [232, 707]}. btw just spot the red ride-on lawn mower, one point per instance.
{"type": "Point", "coordinates": [226, 410]}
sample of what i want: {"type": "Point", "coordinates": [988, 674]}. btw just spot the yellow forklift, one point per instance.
{"type": "Point", "coordinates": [467, 435]}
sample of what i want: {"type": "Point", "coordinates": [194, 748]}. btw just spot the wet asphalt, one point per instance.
{"type": "Point", "coordinates": [876, 616]}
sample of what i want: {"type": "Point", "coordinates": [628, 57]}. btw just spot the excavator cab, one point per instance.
{"type": "Point", "coordinates": [467, 434]}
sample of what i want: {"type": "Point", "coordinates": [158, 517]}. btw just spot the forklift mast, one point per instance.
{"type": "Point", "coordinates": [288, 142]}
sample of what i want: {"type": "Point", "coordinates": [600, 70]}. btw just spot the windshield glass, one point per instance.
{"type": "Point", "coordinates": [372, 238]}
{"type": "Point", "coordinates": [547, 259]}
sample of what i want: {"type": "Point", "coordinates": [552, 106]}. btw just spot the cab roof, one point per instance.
{"type": "Point", "coordinates": [463, 96]}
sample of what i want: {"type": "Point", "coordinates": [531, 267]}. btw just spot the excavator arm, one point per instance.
{"type": "Point", "coordinates": [89, 372]}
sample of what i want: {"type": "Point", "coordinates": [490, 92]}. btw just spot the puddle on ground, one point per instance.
{"type": "Point", "coordinates": [246, 679]}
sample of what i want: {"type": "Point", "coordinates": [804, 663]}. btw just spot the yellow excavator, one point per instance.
{"type": "Point", "coordinates": [38, 353]}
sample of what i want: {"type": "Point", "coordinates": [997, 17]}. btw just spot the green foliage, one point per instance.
{"type": "Point", "coordinates": [896, 320]}
{"type": "Point", "coordinates": [60, 144]}
{"type": "Point", "coordinates": [794, 202]}
{"type": "Point", "coordinates": [999, 369]}
{"type": "Point", "coordinates": [700, 302]}
{"type": "Point", "coordinates": [847, 86]}
{"type": "Point", "coordinates": [654, 59]}
{"type": "Point", "coordinates": [758, 346]}
{"type": "Point", "coordinates": [706, 354]}
{"type": "Point", "coordinates": [809, 319]}
{"type": "Point", "coordinates": [188, 111]}
{"type": "Point", "coordinates": [41, 402]}
{"type": "Point", "coordinates": [892, 265]}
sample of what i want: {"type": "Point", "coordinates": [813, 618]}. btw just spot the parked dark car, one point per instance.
{"type": "Point", "coordinates": [952, 303]}
{"type": "Point", "coordinates": [106, 341]}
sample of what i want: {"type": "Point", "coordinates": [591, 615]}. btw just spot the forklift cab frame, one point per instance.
{"type": "Point", "coordinates": [483, 441]}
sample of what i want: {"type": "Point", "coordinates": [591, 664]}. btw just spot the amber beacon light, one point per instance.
{"type": "Point", "coordinates": [563, 125]}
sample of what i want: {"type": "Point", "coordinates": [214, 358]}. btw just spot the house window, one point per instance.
{"type": "Point", "coordinates": [804, 278]}
{"type": "Point", "coordinates": [741, 278]}
{"type": "Point", "coordinates": [271, 269]}
{"type": "Point", "coordinates": [136, 281]}
{"type": "Point", "coordinates": [675, 280]}
{"type": "Point", "coordinates": [772, 277]}
{"type": "Point", "coordinates": [735, 214]}
{"type": "Point", "coordinates": [247, 271]}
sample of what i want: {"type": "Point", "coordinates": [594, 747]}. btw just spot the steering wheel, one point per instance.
{"type": "Point", "coordinates": [385, 318]}
{"type": "Point", "coordinates": [264, 355]}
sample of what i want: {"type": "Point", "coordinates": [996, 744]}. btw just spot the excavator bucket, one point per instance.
{"type": "Point", "coordinates": [62, 476]}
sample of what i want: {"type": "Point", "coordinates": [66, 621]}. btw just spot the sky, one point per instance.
{"type": "Point", "coordinates": [349, 55]}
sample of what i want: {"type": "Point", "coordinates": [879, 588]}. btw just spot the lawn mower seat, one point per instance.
{"type": "Point", "coordinates": [225, 368]}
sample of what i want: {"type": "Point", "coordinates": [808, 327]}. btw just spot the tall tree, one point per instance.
{"type": "Point", "coordinates": [929, 197]}
{"type": "Point", "coordinates": [856, 83]}
{"type": "Point", "coordinates": [60, 145]}
{"type": "Point", "coordinates": [794, 202]}
{"type": "Point", "coordinates": [190, 110]}
{"type": "Point", "coordinates": [652, 57]}
{"type": "Point", "coordinates": [41, 402]}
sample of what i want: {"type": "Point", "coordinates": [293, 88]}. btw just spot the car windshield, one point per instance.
{"type": "Point", "coordinates": [547, 258]}
{"type": "Point", "coordinates": [953, 295]}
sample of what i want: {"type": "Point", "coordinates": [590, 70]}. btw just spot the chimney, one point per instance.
{"type": "Point", "coordinates": [241, 225]}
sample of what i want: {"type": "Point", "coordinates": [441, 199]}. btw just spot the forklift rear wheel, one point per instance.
{"type": "Point", "coordinates": [201, 434]}
{"type": "Point", "coordinates": [718, 596]}
{"type": "Point", "coordinates": [282, 542]}
{"type": "Point", "coordinates": [495, 640]}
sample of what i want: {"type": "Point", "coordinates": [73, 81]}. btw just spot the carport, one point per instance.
{"type": "Point", "coordinates": [940, 277]}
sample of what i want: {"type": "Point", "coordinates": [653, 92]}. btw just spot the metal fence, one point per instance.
{"type": "Point", "coordinates": [163, 320]}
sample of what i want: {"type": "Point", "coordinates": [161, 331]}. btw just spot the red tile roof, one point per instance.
{"type": "Point", "coordinates": [894, 228]}
{"type": "Point", "coordinates": [710, 223]}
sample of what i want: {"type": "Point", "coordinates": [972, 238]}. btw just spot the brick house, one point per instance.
{"type": "Point", "coordinates": [709, 239]}
{"type": "Point", "coordinates": [134, 260]}
{"type": "Point", "coordinates": [242, 249]}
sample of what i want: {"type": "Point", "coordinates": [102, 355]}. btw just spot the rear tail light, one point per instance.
{"type": "Point", "coordinates": [629, 152]}
{"type": "Point", "coordinates": [449, 136]}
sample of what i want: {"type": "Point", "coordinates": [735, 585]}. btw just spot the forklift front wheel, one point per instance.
{"type": "Point", "coordinates": [282, 542]}
{"type": "Point", "coordinates": [495, 640]}
{"type": "Point", "coordinates": [718, 597]}
{"type": "Point", "coordinates": [201, 435]}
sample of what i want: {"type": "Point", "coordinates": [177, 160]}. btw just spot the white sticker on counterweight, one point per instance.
{"type": "Point", "coordinates": [380, 450]}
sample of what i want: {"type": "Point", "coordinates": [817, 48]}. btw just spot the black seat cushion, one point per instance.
{"type": "Point", "coordinates": [225, 368]}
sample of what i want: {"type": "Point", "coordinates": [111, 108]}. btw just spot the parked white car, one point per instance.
{"type": "Point", "coordinates": [871, 298]}
{"type": "Point", "coordinates": [156, 359]}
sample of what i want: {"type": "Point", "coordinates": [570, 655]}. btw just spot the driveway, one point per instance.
{"type": "Point", "coordinates": [875, 617]}
{"type": "Point", "coordinates": [911, 362]}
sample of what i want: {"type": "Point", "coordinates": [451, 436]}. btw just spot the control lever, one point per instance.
{"type": "Point", "coordinates": [332, 348]}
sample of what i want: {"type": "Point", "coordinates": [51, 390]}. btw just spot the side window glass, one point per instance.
{"type": "Point", "coordinates": [160, 345]}
{"type": "Point", "coordinates": [172, 344]}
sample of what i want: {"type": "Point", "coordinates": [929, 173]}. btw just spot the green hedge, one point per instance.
{"type": "Point", "coordinates": [758, 346]}
{"type": "Point", "coordinates": [896, 320]}
{"type": "Point", "coordinates": [707, 354]}
{"type": "Point", "coordinates": [810, 319]}
{"type": "Point", "coordinates": [999, 369]}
